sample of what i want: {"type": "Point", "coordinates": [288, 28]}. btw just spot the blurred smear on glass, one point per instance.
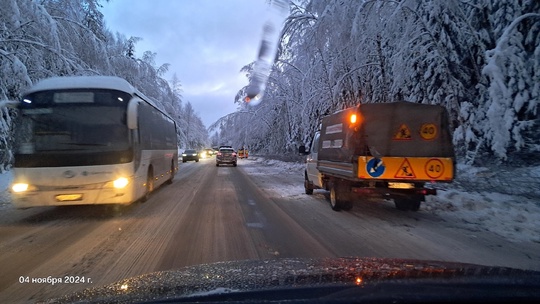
{"type": "Point", "coordinates": [279, 10]}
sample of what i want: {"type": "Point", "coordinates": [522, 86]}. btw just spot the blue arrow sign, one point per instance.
{"type": "Point", "coordinates": [375, 167]}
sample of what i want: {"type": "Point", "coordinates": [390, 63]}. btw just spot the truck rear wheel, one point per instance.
{"type": "Point", "coordinates": [339, 198]}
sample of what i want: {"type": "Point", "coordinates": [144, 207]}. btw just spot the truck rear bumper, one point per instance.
{"type": "Point", "coordinates": [393, 192]}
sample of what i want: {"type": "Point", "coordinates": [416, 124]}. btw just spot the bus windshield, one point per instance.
{"type": "Point", "coordinates": [73, 127]}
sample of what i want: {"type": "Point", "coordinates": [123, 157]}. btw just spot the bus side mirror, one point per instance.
{"type": "Point", "coordinates": [302, 150]}
{"type": "Point", "coordinates": [132, 116]}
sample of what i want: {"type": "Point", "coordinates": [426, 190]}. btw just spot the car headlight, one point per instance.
{"type": "Point", "coordinates": [184, 154]}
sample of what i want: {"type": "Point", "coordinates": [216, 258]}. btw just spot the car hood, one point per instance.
{"type": "Point", "coordinates": [303, 279]}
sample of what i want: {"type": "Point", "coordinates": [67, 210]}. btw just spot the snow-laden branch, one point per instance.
{"type": "Point", "coordinates": [503, 40]}
{"type": "Point", "coordinates": [338, 82]}
{"type": "Point", "coordinates": [43, 46]}
{"type": "Point", "coordinates": [82, 26]}
{"type": "Point", "coordinates": [291, 65]}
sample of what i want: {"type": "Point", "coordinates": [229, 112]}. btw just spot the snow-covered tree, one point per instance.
{"type": "Point", "coordinates": [513, 94]}
{"type": "Point", "coordinates": [504, 114]}
{"type": "Point", "coordinates": [479, 59]}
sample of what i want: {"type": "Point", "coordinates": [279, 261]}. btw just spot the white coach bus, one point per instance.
{"type": "Point", "coordinates": [90, 140]}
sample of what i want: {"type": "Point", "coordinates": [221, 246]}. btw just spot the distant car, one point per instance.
{"type": "Point", "coordinates": [226, 155]}
{"type": "Point", "coordinates": [190, 155]}
{"type": "Point", "coordinates": [207, 153]}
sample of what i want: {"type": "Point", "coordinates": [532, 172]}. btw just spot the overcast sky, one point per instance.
{"type": "Point", "coordinates": [206, 43]}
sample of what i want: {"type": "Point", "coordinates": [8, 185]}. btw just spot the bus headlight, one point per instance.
{"type": "Point", "coordinates": [19, 187]}
{"type": "Point", "coordinates": [120, 183]}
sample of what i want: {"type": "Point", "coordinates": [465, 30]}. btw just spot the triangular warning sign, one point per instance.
{"type": "Point", "coordinates": [405, 170]}
{"type": "Point", "coordinates": [403, 133]}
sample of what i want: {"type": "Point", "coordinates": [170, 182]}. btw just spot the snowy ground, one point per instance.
{"type": "Point", "coordinates": [505, 201]}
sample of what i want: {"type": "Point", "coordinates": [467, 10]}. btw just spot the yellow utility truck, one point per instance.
{"type": "Point", "coordinates": [389, 150]}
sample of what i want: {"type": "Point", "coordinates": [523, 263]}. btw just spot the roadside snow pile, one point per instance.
{"type": "Point", "coordinates": [512, 216]}
{"type": "Point", "coordinates": [273, 166]}
{"type": "Point", "coordinates": [521, 181]}
{"type": "Point", "coordinates": [502, 200]}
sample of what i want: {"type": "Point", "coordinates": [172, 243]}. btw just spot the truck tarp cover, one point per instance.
{"type": "Point", "coordinates": [397, 129]}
